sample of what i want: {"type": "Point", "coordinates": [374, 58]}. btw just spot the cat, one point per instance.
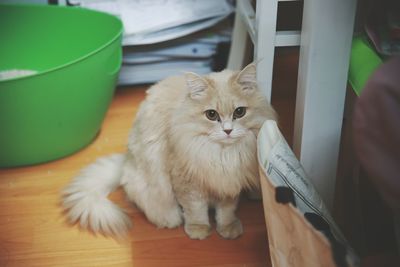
{"type": "Point", "coordinates": [192, 146]}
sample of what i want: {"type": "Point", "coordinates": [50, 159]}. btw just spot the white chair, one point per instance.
{"type": "Point", "coordinates": [325, 43]}
{"type": "Point", "coordinates": [261, 27]}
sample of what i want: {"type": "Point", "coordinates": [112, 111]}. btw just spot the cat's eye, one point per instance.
{"type": "Point", "coordinates": [239, 112]}
{"type": "Point", "coordinates": [212, 115]}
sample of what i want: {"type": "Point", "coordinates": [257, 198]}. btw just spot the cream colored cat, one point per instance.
{"type": "Point", "coordinates": [192, 147]}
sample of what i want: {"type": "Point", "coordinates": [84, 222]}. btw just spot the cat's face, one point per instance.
{"type": "Point", "coordinates": [226, 106]}
{"type": "Point", "coordinates": [225, 127]}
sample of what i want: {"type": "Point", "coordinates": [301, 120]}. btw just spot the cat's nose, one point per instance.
{"type": "Point", "coordinates": [228, 131]}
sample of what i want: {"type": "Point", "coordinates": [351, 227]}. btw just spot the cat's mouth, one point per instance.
{"type": "Point", "coordinates": [229, 140]}
{"type": "Point", "coordinates": [225, 139]}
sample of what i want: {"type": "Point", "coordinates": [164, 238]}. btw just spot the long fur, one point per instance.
{"type": "Point", "coordinates": [177, 159]}
{"type": "Point", "coordinates": [86, 197]}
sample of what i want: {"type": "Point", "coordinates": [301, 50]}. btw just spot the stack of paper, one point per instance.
{"type": "Point", "coordinates": [151, 63]}
{"type": "Point", "coordinates": [159, 38]}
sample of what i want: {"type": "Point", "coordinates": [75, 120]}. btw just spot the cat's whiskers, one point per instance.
{"type": "Point", "coordinates": [233, 137]}
{"type": "Point", "coordinates": [239, 133]}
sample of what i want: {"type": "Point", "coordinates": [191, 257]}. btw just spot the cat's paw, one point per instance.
{"type": "Point", "coordinates": [197, 231]}
{"type": "Point", "coordinates": [170, 218]}
{"type": "Point", "coordinates": [173, 219]}
{"type": "Point", "coordinates": [230, 231]}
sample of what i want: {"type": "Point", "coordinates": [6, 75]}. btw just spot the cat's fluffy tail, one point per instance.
{"type": "Point", "coordinates": [86, 202]}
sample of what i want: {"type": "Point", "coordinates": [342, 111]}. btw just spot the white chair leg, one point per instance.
{"type": "Point", "coordinates": [326, 36]}
{"type": "Point", "coordinates": [264, 47]}
{"type": "Point", "coordinates": [238, 44]}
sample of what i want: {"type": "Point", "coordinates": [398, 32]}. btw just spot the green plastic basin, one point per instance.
{"type": "Point", "coordinates": [59, 110]}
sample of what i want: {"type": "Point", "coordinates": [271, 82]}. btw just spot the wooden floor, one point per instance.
{"type": "Point", "coordinates": [33, 230]}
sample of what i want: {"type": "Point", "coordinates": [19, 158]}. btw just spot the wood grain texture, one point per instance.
{"type": "Point", "coordinates": [34, 232]}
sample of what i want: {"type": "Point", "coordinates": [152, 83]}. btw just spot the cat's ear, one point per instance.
{"type": "Point", "coordinates": [196, 85]}
{"type": "Point", "coordinates": [247, 78]}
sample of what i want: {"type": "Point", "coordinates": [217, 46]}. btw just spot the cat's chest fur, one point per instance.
{"type": "Point", "coordinates": [221, 171]}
